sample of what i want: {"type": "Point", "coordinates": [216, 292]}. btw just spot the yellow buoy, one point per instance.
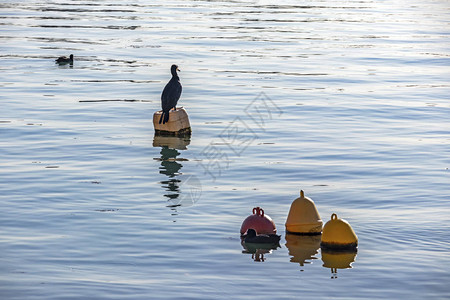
{"type": "Point", "coordinates": [303, 217]}
{"type": "Point", "coordinates": [338, 235]}
{"type": "Point", "coordinates": [178, 124]}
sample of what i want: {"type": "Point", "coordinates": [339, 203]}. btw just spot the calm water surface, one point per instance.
{"type": "Point", "coordinates": [348, 101]}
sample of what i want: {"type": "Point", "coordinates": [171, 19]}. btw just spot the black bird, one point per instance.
{"type": "Point", "coordinates": [170, 95]}
{"type": "Point", "coordinates": [64, 60]}
{"type": "Point", "coordinates": [252, 237]}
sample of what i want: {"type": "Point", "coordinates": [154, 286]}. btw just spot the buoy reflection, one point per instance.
{"type": "Point", "coordinates": [338, 260]}
{"type": "Point", "coordinates": [302, 248]}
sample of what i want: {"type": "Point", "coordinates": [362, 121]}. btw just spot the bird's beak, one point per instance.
{"type": "Point", "coordinates": [178, 70]}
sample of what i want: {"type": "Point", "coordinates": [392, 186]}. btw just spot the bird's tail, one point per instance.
{"type": "Point", "coordinates": [164, 117]}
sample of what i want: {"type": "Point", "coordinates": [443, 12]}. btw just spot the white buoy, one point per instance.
{"type": "Point", "coordinates": [178, 124]}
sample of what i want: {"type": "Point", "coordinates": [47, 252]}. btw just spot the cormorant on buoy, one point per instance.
{"type": "Point", "coordinates": [170, 95]}
{"type": "Point", "coordinates": [64, 60]}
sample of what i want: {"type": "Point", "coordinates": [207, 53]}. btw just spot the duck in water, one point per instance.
{"type": "Point", "coordinates": [62, 60]}
{"type": "Point", "coordinates": [170, 95]}
{"type": "Point", "coordinates": [252, 237]}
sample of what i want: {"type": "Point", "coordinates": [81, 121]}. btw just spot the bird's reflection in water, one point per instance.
{"type": "Point", "coordinates": [258, 250]}
{"type": "Point", "coordinates": [171, 167]}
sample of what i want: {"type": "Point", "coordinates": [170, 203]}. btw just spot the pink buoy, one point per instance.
{"type": "Point", "coordinates": [262, 223]}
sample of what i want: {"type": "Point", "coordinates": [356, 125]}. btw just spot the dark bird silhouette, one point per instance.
{"type": "Point", "coordinates": [64, 60]}
{"type": "Point", "coordinates": [252, 237]}
{"type": "Point", "coordinates": [170, 95]}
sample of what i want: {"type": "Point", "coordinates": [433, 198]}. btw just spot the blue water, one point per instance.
{"type": "Point", "coordinates": [347, 101]}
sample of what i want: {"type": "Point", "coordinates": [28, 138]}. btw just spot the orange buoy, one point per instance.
{"type": "Point", "coordinates": [303, 217]}
{"type": "Point", "coordinates": [259, 221]}
{"type": "Point", "coordinates": [338, 235]}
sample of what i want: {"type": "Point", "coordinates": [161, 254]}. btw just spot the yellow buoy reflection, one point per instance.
{"type": "Point", "coordinates": [302, 248]}
{"type": "Point", "coordinates": [338, 260]}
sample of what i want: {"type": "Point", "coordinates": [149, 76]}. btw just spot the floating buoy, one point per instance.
{"type": "Point", "coordinates": [303, 217]}
{"type": "Point", "coordinates": [338, 235]}
{"type": "Point", "coordinates": [178, 124]}
{"type": "Point", "coordinates": [262, 223]}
